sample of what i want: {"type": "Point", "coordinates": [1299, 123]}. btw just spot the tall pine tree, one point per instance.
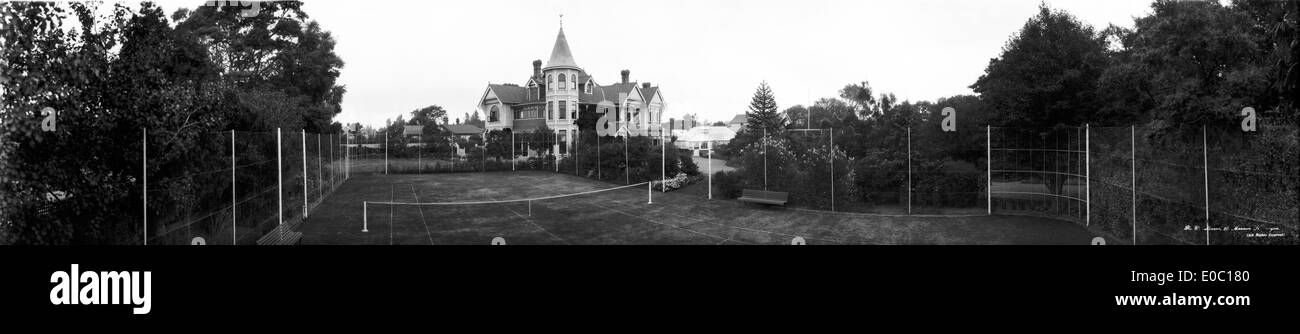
{"type": "Point", "coordinates": [763, 113]}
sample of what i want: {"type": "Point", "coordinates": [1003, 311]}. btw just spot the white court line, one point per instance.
{"type": "Point", "coordinates": [422, 220]}
{"type": "Point", "coordinates": [530, 221]}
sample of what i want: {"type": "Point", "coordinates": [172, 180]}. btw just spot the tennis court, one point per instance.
{"type": "Point", "coordinates": [535, 207]}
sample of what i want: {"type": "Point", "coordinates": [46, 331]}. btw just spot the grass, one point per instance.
{"type": "Point", "coordinates": [624, 217]}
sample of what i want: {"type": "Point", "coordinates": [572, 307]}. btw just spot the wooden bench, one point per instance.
{"type": "Point", "coordinates": [764, 197]}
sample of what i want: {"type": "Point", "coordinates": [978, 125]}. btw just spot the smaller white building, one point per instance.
{"type": "Point", "coordinates": [698, 138]}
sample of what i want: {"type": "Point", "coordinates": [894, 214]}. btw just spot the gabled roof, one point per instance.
{"type": "Point", "coordinates": [463, 129]}
{"type": "Point", "coordinates": [741, 119]}
{"type": "Point", "coordinates": [413, 130]}
{"type": "Point", "coordinates": [613, 91]}
{"type": "Point", "coordinates": [560, 54]}
{"type": "Point", "coordinates": [509, 93]}
{"type": "Point", "coordinates": [649, 93]}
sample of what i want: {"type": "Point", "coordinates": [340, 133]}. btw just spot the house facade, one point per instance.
{"type": "Point", "coordinates": [564, 97]}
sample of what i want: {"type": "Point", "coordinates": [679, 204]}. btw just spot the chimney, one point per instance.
{"type": "Point", "coordinates": [645, 85]}
{"type": "Point", "coordinates": [537, 68]}
{"type": "Point", "coordinates": [625, 74]}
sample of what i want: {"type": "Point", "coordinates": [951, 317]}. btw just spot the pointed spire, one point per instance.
{"type": "Point", "coordinates": [560, 54]}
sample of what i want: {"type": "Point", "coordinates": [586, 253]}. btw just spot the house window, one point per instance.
{"type": "Point", "coordinates": [532, 90]}
{"type": "Point", "coordinates": [492, 115]}
{"type": "Point", "coordinates": [550, 108]}
{"type": "Point", "coordinates": [574, 78]}
{"type": "Point", "coordinates": [562, 86]}
{"type": "Point", "coordinates": [563, 109]}
{"type": "Point", "coordinates": [519, 112]}
{"type": "Point", "coordinates": [588, 87]}
{"type": "Point", "coordinates": [574, 114]}
{"type": "Point", "coordinates": [550, 81]}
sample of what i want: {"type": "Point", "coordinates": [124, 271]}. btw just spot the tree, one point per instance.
{"type": "Point", "coordinates": [761, 118]}
{"type": "Point", "coordinates": [798, 116]}
{"type": "Point", "coordinates": [763, 113]}
{"type": "Point", "coordinates": [1194, 63]}
{"type": "Point", "coordinates": [121, 72]}
{"type": "Point", "coordinates": [475, 120]}
{"type": "Point", "coordinates": [1046, 75]}
{"type": "Point", "coordinates": [859, 96]}
{"type": "Point", "coordinates": [428, 116]}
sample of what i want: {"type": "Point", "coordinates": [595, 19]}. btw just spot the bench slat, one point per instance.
{"type": "Point", "coordinates": [765, 197]}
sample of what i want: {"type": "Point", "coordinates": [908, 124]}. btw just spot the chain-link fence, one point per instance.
{"type": "Point", "coordinates": [1199, 185]}
{"type": "Point", "coordinates": [237, 187]}
{"type": "Point", "coordinates": [1140, 185]}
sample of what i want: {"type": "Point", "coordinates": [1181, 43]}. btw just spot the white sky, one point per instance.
{"type": "Point", "coordinates": [707, 56]}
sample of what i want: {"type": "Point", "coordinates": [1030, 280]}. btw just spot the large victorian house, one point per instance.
{"type": "Point", "coordinates": [563, 97]}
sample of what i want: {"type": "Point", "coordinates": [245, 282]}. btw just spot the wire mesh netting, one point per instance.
{"type": "Point", "coordinates": [1112, 182]}
{"type": "Point", "coordinates": [1039, 172]}
{"type": "Point", "coordinates": [1253, 180]}
{"type": "Point", "coordinates": [239, 186]}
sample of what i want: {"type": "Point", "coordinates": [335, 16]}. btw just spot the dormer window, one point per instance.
{"type": "Point", "coordinates": [588, 88]}
{"type": "Point", "coordinates": [532, 90]}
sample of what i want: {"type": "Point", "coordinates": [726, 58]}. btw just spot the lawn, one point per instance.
{"type": "Point", "coordinates": [623, 216]}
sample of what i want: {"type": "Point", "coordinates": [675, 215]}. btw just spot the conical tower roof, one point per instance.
{"type": "Point", "coordinates": [560, 54]}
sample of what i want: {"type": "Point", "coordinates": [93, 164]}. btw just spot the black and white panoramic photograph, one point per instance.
{"type": "Point", "coordinates": [443, 164]}
{"type": "Point", "coordinates": [936, 122]}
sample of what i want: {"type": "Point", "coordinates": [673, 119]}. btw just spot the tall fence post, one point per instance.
{"type": "Point", "coordinates": [233, 203]}
{"type": "Point", "coordinates": [279, 171]}
{"type": "Point", "coordinates": [988, 167]}
{"type": "Point", "coordinates": [385, 152]}
{"type": "Point", "coordinates": [333, 168]}
{"type": "Point", "coordinates": [1087, 174]}
{"type": "Point", "coordinates": [627, 167]}
{"type": "Point", "coordinates": [599, 167]}
{"type": "Point", "coordinates": [577, 145]}
{"type": "Point", "coordinates": [1132, 142]}
{"type": "Point", "coordinates": [1205, 164]}
{"type": "Point", "coordinates": [304, 174]}
{"type": "Point", "coordinates": [909, 170]}
{"type": "Point", "coordinates": [710, 168]}
{"type": "Point", "coordinates": [832, 131]}
{"type": "Point", "coordinates": [663, 161]}
{"type": "Point", "coordinates": [320, 169]}
{"type": "Point", "coordinates": [347, 156]}
{"type": "Point", "coordinates": [365, 218]}
{"type": "Point", "coordinates": [144, 184]}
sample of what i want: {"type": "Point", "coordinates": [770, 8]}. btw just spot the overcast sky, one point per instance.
{"type": "Point", "coordinates": [707, 56]}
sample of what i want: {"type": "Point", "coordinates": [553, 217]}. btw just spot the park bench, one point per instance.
{"type": "Point", "coordinates": [764, 197]}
